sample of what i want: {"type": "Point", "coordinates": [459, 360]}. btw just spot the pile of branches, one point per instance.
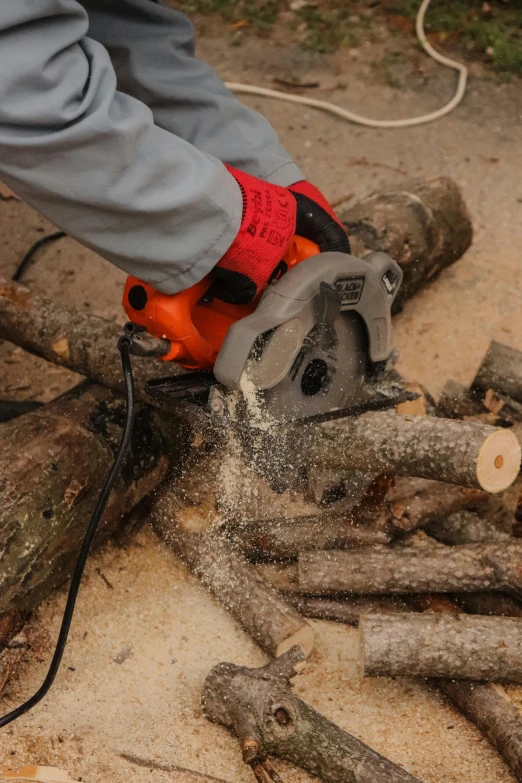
{"type": "Point", "coordinates": [410, 531]}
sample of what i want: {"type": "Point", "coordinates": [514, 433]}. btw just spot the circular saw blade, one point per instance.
{"type": "Point", "coordinates": [322, 377]}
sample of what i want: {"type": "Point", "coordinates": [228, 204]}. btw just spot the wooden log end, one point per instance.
{"type": "Point", "coordinates": [498, 461]}
{"type": "Point", "coordinates": [304, 638]}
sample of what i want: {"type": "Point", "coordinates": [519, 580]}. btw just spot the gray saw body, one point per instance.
{"type": "Point", "coordinates": [316, 336]}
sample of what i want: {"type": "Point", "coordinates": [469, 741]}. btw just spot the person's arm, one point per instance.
{"type": "Point", "coordinates": [91, 159]}
{"type": "Point", "coordinates": [152, 48]}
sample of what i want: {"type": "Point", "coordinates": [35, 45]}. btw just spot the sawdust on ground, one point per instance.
{"type": "Point", "coordinates": [139, 651]}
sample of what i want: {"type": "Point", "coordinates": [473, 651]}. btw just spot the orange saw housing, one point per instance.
{"type": "Point", "coordinates": [194, 326]}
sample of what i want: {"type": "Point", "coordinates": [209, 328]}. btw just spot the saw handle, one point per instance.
{"type": "Point", "coordinates": [194, 324]}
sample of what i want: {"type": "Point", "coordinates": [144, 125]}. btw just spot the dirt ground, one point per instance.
{"type": "Point", "coordinates": [126, 703]}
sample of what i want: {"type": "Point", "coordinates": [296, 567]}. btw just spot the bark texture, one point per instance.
{"type": "Point", "coordinates": [267, 717]}
{"type": "Point", "coordinates": [284, 578]}
{"type": "Point", "coordinates": [467, 527]}
{"type": "Point", "coordinates": [438, 569]}
{"type": "Point", "coordinates": [349, 610]}
{"type": "Point", "coordinates": [489, 707]}
{"type": "Point", "coordinates": [52, 466]}
{"type": "Point", "coordinates": [272, 623]}
{"type": "Point", "coordinates": [425, 226]}
{"type": "Point", "coordinates": [465, 453]}
{"type": "Point", "coordinates": [501, 370]}
{"type": "Point", "coordinates": [439, 645]}
{"type": "Point", "coordinates": [433, 505]}
{"type": "Point", "coordinates": [283, 539]}
{"type": "Point", "coordinates": [71, 338]}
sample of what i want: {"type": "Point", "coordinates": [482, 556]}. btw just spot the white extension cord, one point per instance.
{"type": "Point", "coordinates": [345, 114]}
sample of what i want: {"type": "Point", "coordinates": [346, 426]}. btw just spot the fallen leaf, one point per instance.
{"type": "Point", "coordinates": [6, 194]}
{"type": "Point", "coordinates": [41, 774]}
{"type": "Point", "coordinates": [238, 25]}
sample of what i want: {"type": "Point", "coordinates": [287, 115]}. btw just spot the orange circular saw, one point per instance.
{"type": "Point", "coordinates": [192, 321]}
{"type": "Point", "coordinates": [312, 343]}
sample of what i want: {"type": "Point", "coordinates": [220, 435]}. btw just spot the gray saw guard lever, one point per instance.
{"type": "Point", "coordinates": [292, 306]}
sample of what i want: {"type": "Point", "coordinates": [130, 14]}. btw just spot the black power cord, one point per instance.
{"type": "Point", "coordinates": [26, 260]}
{"type": "Point", "coordinates": [124, 346]}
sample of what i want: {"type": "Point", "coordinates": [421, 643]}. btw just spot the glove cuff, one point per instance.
{"type": "Point", "coordinates": [306, 188]}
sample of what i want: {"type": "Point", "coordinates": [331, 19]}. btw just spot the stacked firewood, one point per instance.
{"type": "Point", "coordinates": [405, 525]}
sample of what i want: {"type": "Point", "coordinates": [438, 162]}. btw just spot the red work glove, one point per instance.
{"type": "Point", "coordinates": [271, 216]}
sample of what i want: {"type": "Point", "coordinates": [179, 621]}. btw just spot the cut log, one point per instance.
{"type": "Point", "coordinates": [466, 453]}
{"type": "Point", "coordinates": [434, 505]}
{"type": "Point", "coordinates": [437, 645]}
{"type": "Point", "coordinates": [283, 539]}
{"type": "Point", "coordinates": [425, 226]}
{"type": "Point", "coordinates": [493, 712]}
{"type": "Point", "coordinates": [349, 610]}
{"type": "Point", "coordinates": [272, 623]}
{"type": "Point", "coordinates": [53, 463]}
{"type": "Point", "coordinates": [439, 569]}
{"type": "Point", "coordinates": [268, 718]}
{"type": "Point", "coordinates": [501, 370]}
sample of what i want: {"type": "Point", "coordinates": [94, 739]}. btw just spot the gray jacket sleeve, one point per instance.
{"type": "Point", "coordinates": [152, 50]}
{"type": "Point", "coordinates": [91, 159]}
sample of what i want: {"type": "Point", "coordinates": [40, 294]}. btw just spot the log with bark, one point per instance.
{"type": "Point", "coordinates": [425, 226]}
{"type": "Point", "coordinates": [492, 711]}
{"type": "Point", "coordinates": [272, 623]}
{"type": "Point", "coordinates": [268, 718]}
{"type": "Point", "coordinates": [501, 370]}
{"type": "Point", "coordinates": [439, 645]}
{"type": "Point", "coordinates": [72, 338]}
{"type": "Point", "coordinates": [283, 538]}
{"type": "Point", "coordinates": [433, 504]}
{"type": "Point", "coordinates": [487, 705]}
{"type": "Point", "coordinates": [349, 610]}
{"type": "Point", "coordinates": [465, 453]}
{"type": "Point", "coordinates": [467, 527]}
{"type": "Point", "coordinates": [496, 604]}
{"type": "Point", "coordinates": [439, 569]}
{"type": "Point", "coordinates": [53, 463]}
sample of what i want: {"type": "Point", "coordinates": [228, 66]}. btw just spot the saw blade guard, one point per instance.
{"type": "Point", "coordinates": [317, 302]}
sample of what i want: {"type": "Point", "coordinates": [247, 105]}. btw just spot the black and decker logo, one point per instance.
{"type": "Point", "coordinates": [349, 289]}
